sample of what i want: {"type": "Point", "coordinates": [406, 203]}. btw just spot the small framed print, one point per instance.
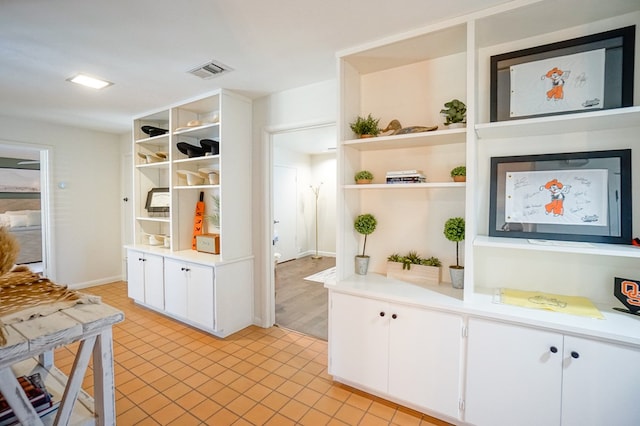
{"type": "Point", "coordinates": [158, 200]}
{"type": "Point", "coordinates": [580, 196]}
{"type": "Point", "coordinates": [578, 75]}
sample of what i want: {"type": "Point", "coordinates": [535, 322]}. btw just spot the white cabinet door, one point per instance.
{"type": "Point", "coordinates": [424, 358]}
{"type": "Point", "coordinates": [135, 275]}
{"type": "Point", "coordinates": [154, 281]}
{"type": "Point", "coordinates": [189, 292]}
{"type": "Point", "coordinates": [359, 340]}
{"type": "Point", "coordinates": [175, 288]}
{"type": "Point", "coordinates": [200, 302]}
{"type": "Point", "coordinates": [600, 383]}
{"type": "Point", "coordinates": [513, 375]}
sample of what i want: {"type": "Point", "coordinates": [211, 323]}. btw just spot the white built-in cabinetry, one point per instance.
{"type": "Point", "coordinates": [409, 77]}
{"type": "Point", "coordinates": [183, 283]}
{"type": "Point", "coordinates": [377, 348]}
{"type": "Point", "coordinates": [558, 379]}
{"type": "Point", "coordinates": [191, 294]}
{"type": "Point", "coordinates": [145, 278]}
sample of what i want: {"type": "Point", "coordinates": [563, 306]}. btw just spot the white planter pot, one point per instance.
{"type": "Point", "coordinates": [417, 274]}
{"type": "Point", "coordinates": [362, 264]}
{"type": "Point", "coordinates": [457, 277]}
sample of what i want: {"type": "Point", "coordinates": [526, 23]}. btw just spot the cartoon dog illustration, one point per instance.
{"type": "Point", "coordinates": [557, 77]}
{"type": "Point", "coordinates": [558, 191]}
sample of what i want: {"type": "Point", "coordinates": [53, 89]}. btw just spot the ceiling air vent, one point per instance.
{"type": "Point", "coordinates": [210, 70]}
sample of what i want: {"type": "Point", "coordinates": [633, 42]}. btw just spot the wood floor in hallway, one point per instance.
{"type": "Point", "coordinates": [301, 305]}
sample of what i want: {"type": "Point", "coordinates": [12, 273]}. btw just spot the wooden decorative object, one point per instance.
{"type": "Point", "coordinates": [418, 274]}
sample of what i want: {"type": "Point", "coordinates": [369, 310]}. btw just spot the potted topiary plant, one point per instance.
{"type": "Point", "coordinates": [459, 174]}
{"type": "Point", "coordinates": [413, 268]}
{"type": "Point", "coordinates": [364, 224]}
{"type": "Point", "coordinates": [365, 127]}
{"type": "Point", "coordinates": [363, 176]}
{"type": "Point", "coordinates": [455, 113]}
{"type": "Point", "coordinates": [454, 231]}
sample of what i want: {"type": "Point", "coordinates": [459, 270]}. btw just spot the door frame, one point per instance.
{"type": "Point", "coordinates": [268, 134]}
{"type": "Point", "coordinates": [45, 155]}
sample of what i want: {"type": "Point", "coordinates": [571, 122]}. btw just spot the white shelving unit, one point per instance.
{"type": "Point", "coordinates": [222, 116]}
{"type": "Point", "coordinates": [391, 79]}
{"type": "Point", "coordinates": [409, 78]}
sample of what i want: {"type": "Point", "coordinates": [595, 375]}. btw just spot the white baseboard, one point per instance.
{"type": "Point", "coordinates": [106, 280]}
{"type": "Point", "coordinates": [313, 252]}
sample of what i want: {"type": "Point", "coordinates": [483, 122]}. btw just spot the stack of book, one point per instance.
{"type": "Point", "coordinates": [36, 391]}
{"type": "Point", "coordinates": [406, 176]}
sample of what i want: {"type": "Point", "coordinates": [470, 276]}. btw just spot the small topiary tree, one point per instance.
{"type": "Point", "coordinates": [454, 231]}
{"type": "Point", "coordinates": [365, 224]}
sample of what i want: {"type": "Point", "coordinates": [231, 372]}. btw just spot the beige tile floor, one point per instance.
{"type": "Point", "coordinates": [170, 374]}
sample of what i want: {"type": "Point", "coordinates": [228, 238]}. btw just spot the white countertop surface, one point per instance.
{"type": "Point", "coordinates": [616, 326]}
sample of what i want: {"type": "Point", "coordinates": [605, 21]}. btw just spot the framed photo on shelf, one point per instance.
{"type": "Point", "coordinates": [158, 200]}
{"type": "Point", "coordinates": [579, 196]}
{"type": "Point", "coordinates": [583, 74]}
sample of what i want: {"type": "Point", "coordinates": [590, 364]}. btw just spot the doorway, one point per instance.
{"type": "Point", "coordinates": [25, 203]}
{"type": "Point", "coordinates": [303, 227]}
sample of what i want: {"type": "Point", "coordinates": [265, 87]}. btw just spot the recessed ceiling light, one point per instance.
{"type": "Point", "coordinates": [85, 80]}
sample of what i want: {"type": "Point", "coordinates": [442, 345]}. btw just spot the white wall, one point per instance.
{"type": "Point", "coordinates": [86, 214]}
{"type": "Point", "coordinates": [300, 107]}
{"type": "Point", "coordinates": [301, 163]}
{"type": "Point", "coordinates": [313, 169]}
{"type": "Point", "coordinates": [323, 169]}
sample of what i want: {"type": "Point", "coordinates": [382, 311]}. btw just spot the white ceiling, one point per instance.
{"type": "Point", "coordinates": [146, 48]}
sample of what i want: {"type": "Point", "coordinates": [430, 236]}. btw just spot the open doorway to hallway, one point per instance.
{"type": "Point", "coordinates": [304, 240]}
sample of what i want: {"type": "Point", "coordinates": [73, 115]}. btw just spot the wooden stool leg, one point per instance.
{"type": "Point", "coordinates": [103, 379]}
{"type": "Point", "coordinates": [74, 384]}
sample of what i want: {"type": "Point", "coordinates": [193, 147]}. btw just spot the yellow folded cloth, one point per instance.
{"type": "Point", "coordinates": [574, 305]}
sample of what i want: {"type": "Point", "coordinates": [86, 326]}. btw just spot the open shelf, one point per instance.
{"type": "Point", "coordinates": [598, 249]}
{"type": "Point", "coordinates": [159, 165]}
{"type": "Point", "coordinates": [607, 119]}
{"type": "Point", "coordinates": [154, 219]}
{"type": "Point", "coordinates": [196, 187]}
{"type": "Point", "coordinates": [198, 132]}
{"type": "Point", "coordinates": [55, 382]}
{"type": "Point", "coordinates": [392, 186]}
{"type": "Point", "coordinates": [412, 140]}
{"type": "Point", "coordinates": [161, 140]}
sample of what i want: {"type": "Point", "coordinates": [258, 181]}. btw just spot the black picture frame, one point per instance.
{"type": "Point", "coordinates": [158, 200]}
{"type": "Point", "coordinates": [619, 45]}
{"type": "Point", "coordinates": [522, 172]}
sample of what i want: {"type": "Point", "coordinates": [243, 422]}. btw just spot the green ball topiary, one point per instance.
{"type": "Point", "coordinates": [365, 224]}
{"type": "Point", "coordinates": [454, 231]}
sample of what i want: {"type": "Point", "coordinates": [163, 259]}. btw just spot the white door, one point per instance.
{"type": "Point", "coordinates": [127, 204]}
{"type": "Point", "coordinates": [599, 385]}
{"type": "Point", "coordinates": [513, 375]}
{"type": "Point", "coordinates": [285, 211]}
{"type": "Point", "coordinates": [424, 358]}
